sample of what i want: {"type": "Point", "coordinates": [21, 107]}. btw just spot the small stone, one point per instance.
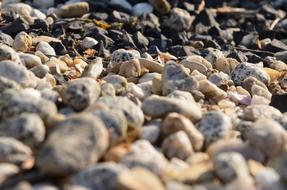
{"type": "Point", "coordinates": [162, 6]}
{"type": "Point", "coordinates": [30, 60]}
{"type": "Point", "coordinates": [80, 93]}
{"type": "Point", "coordinates": [196, 62]}
{"type": "Point", "coordinates": [221, 80]}
{"type": "Point", "coordinates": [143, 154]}
{"type": "Point", "coordinates": [22, 42]}
{"type": "Point", "coordinates": [214, 125]}
{"type": "Point", "coordinates": [7, 53]}
{"type": "Point", "coordinates": [101, 176]}
{"type": "Point", "coordinates": [179, 20]}
{"type": "Point", "coordinates": [279, 164]}
{"type": "Point", "coordinates": [45, 48]}
{"type": "Point", "coordinates": [176, 77]}
{"type": "Point", "coordinates": [17, 73]}
{"type": "Point", "coordinates": [158, 107]}
{"type": "Point", "coordinates": [177, 145]}
{"type": "Point", "coordinates": [142, 8]}
{"type": "Point", "coordinates": [44, 4]}
{"type": "Point", "coordinates": [250, 81]}
{"type": "Point", "coordinates": [28, 128]}
{"type": "Point", "coordinates": [122, 3]}
{"type": "Point", "coordinates": [254, 112]}
{"type": "Point", "coordinates": [139, 179]}
{"type": "Point", "coordinates": [13, 151]}
{"type": "Point", "coordinates": [268, 178]}
{"type": "Point", "coordinates": [40, 71]}
{"type": "Point", "coordinates": [115, 123]}
{"type": "Point", "coordinates": [15, 102]}
{"type": "Point", "coordinates": [57, 66]}
{"type": "Point", "coordinates": [122, 55]}
{"type": "Point", "coordinates": [119, 83]}
{"type": "Point", "coordinates": [229, 166]}
{"type": "Point", "coordinates": [244, 70]}
{"type": "Point", "coordinates": [133, 113]}
{"type": "Point", "coordinates": [58, 155]}
{"type": "Point", "coordinates": [268, 136]}
{"type": "Point", "coordinates": [211, 91]}
{"type": "Point", "coordinates": [259, 91]}
{"type": "Point", "coordinates": [108, 90]}
{"type": "Point", "coordinates": [150, 132]}
{"type": "Point", "coordinates": [6, 39]}
{"type": "Point", "coordinates": [88, 43]}
{"type": "Point", "coordinates": [76, 9]}
{"type": "Point", "coordinates": [174, 122]}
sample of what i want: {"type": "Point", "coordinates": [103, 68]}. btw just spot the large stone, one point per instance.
{"type": "Point", "coordinates": [244, 70]}
{"type": "Point", "coordinates": [28, 128]}
{"type": "Point", "coordinates": [75, 144]}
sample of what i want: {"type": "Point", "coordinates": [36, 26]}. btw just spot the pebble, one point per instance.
{"type": "Point", "coordinates": [140, 179]}
{"type": "Point", "coordinates": [177, 145]}
{"type": "Point", "coordinates": [40, 71]}
{"type": "Point", "coordinates": [21, 101]}
{"type": "Point", "coordinates": [122, 3]}
{"type": "Point", "coordinates": [46, 48]}
{"type": "Point", "coordinates": [13, 151]}
{"type": "Point", "coordinates": [88, 43]}
{"type": "Point", "coordinates": [44, 4]}
{"type": "Point", "coordinates": [211, 91]}
{"type": "Point", "coordinates": [214, 126]}
{"type": "Point", "coordinates": [7, 53]}
{"type": "Point", "coordinates": [196, 62]}
{"type": "Point", "coordinates": [92, 142]}
{"type": "Point", "coordinates": [100, 176]}
{"type": "Point", "coordinates": [176, 77]}
{"type": "Point", "coordinates": [119, 83]}
{"type": "Point", "coordinates": [143, 154]}
{"type": "Point", "coordinates": [254, 112]}
{"type": "Point", "coordinates": [122, 55]}
{"type": "Point", "coordinates": [6, 39]}
{"type": "Point", "coordinates": [6, 83]}
{"type": "Point", "coordinates": [76, 9]}
{"type": "Point", "coordinates": [158, 107]}
{"type": "Point", "coordinates": [22, 42]}
{"type": "Point", "coordinates": [179, 20]}
{"type": "Point", "coordinates": [268, 136]}
{"type": "Point", "coordinates": [142, 8]}
{"type": "Point", "coordinates": [27, 128]}
{"type": "Point", "coordinates": [175, 122]}
{"type": "Point", "coordinates": [115, 123]}
{"type": "Point", "coordinates": [162, 6]}
{"type": "Point", "coordinates": [30, 60]}
{"type": "Point", "coordinates": [229, 166]}
{"type": "Point", "coordinates": [80, 93]}
{"type": "Point", "coordinates": [7, 170]}
{"type": "Point", "coordinates": [133, 113]}
{"type": "Point", "coordinates": [150, 132]}
{"type": "Point", "coordinates": [244, 70]}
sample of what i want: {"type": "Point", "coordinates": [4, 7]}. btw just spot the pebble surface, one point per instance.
{"type": "Point", "coordinates": [143, 94]}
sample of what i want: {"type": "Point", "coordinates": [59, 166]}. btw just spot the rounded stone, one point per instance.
{"type": "Point", "coordinates": [177, 145]}
{"type": "Point", "coordinates": [142, 8]}
{"type": "Point", "coordinates": [80, 93]}
{"type": "Point", "coordinates": [15, 102]}
{"type": "Point", "coordinates": [254, 112]}
{"type": "Point", "coordinates": [30, 60]}
{"type": "Point", "coordinates": [13, 151]}
{"type": "Point", "coordinates": [122, 55]}
{"type": "Point", "coordinates": [7, 53]}
{"type": "Point", "coordinates": [119, 83]}
{"type": "Point", "coordinates": [88, 43]}
{"type": "Point", "coordinates": [214, 126]}
{"type": "Point", "coordinates": [196, 62]}
{"type": "Point", "coordinates": [28, 128]}
{"type": "Point", "coordinates": [244, 70]}
{"type": "Point", "coordinates": [174, 122]}
{"type": "Point", "coordinates": [45, 48]}
{"type": "Point", "coordinates": [179, 20]}
{"type": "Point", "coordinates": [100, 176]}
{"type": "Point", "coordinates": [61, 154]}
{"type": "Point", "coordinates": [229, 166]}
{"type": "Point", "coordinates": [132, 112]}
{"type": "Point", "coordinates": [268, 136]}
{"type": "Point", "coordinates": [140, 179]}
{"type": "Point", "coordinates": [22, 42]}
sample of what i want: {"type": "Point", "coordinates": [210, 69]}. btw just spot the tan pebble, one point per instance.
{"type": "Point", "coordinates": [116, 153]}
{"type": "Point", "coordinates": [150, 65]}
{"type": "Point", "coordinates": [174, 122]}
{"type": "Point", "coordinates": [274, 74]}
{"type": "Point", "coordinates": [157, 85]}
{"type": "Point", "coordinates": [196, 62]}
{"type": "Point", "coordinates": [139, 179]}
{"type": "Point", "coordinates": [42, 56]}
{"type": "Point", "coordinates": [74, 9]}
{"type": "Point", "coordinates": [131, 68]}
{"type": "Point", "coordinates": [22, 42]}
